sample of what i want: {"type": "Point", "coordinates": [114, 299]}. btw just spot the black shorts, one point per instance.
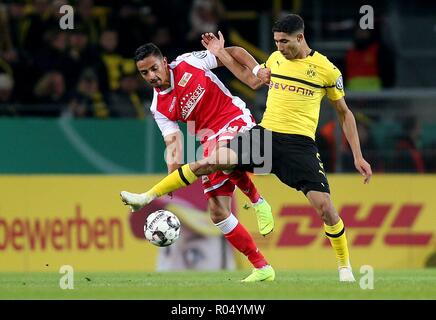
{"type": "Point", "coordinates": [293, 158]}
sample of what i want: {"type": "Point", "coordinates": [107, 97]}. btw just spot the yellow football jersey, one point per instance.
{"type": "Point", "coordinates": [296, 90]}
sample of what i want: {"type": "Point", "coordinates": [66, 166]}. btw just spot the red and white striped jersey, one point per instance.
{"type": "Point", "coordinates": [196, 94]}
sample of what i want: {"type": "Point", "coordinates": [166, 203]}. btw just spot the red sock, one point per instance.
{"type": "Point", "coordinates": [244, 183]}
{"type": "Point", "coordinates": [242, 240]}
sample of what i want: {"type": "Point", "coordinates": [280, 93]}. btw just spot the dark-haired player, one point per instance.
{"type": "Point", "coordinates": [186, 90]}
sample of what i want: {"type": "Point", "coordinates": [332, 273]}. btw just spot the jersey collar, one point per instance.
{"type": "Point", "coordinates": [171, 84]}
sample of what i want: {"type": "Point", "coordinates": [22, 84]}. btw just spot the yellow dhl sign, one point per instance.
{"type": "Point", "coordinates": [366, 228]}
{"type": "Point", "coordinates": [79, 220]}
{"type": "Point", "coordinates": [389, 223]}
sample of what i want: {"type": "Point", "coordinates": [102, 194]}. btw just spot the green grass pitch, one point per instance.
{"type": "Point", "coordinates": [404, 284]}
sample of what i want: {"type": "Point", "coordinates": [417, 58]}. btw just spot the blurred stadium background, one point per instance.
{"type": "Point", "coordinates": [75, 132]}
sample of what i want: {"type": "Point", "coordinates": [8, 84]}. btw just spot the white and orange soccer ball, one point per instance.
{"type": "Point", "coordinates": [162, 228]}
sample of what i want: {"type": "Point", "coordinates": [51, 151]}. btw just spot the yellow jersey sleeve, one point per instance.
{"type": "Point", "coordinates": [269, 62]}
{"type": "Point", "coordinates": [335, 84]}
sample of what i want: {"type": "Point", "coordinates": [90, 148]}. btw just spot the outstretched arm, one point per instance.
{"type": "Point", "coordinates": [236, 59]}
{"type": "Point", "coordinates": [348, 123]}
{"type": "Point", "coordinates": [174, 151]}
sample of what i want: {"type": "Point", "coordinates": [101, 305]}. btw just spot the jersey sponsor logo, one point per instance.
{"type": "Point", "coordinates": [190, 100]}
{"type": "Point", "coordinates": [173, 103]}
{"type": "Point", "coordinates": [340, 83]}
{"type": "Point", "coordinates": [184, 80]}
{"type": "Point", "coordinates": [287, 87]}
{"type": "Point", "coordinates": [200, 54]}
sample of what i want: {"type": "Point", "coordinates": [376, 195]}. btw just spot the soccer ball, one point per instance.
{"type": "Point", "coordinates": [162, 228]}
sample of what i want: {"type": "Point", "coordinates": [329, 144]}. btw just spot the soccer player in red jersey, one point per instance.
{"type": "Point", "coordinates": [187, 90]}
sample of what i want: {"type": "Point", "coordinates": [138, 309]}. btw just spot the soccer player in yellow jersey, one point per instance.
{"type": "Point", "coordinates": [298, 78]}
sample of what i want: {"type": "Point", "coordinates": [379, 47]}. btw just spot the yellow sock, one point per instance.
{"type": "Point", "coordinates": [338, 240]}
{"type": "Point", "coordinates": [174, 181]}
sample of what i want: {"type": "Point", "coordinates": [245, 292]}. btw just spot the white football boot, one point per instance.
{"type": "Point", "coordinates": [136, 201]}
{"type": "Point", "coordinates": [346, 274]}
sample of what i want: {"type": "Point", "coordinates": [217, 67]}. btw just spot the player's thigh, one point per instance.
{"type": "Point", "coordinates": [297, 163]}
{"type": "Point", "coordinates": [223, 157]}
{"type": "Point", "coordinates": [210, 165]}
{"type": "Point", "coordinates": [252, 149]}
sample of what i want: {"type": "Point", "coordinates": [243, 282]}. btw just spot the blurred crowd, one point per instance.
{"type": "Point", "coordinates": [88, 71]}
{"type": "Point", "coordinates": [401, 151]}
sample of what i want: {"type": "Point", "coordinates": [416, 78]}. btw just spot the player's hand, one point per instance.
{"type": "Point", "coordinates": [212, 43]}
{"type": "Point", "coordinates": [364, 168]}
{"type": "Point", "coordinates": [264, 74]}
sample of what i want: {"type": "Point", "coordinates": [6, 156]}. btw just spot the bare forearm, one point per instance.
{"type": "Point", "coordinates": [350, 130]}
{"type": "Point", "coordinates": [242, 56]}
{"type": "Point", "coordinates": [174, 154]}
{"type": "Point", "coordinates": [240, 63]}
{"type": "Point", "coordinates": [173, 160]}
{"type": "Point", "coordinates": [348, 123]}
{"type": "Point", "coordinates": [173, 167]}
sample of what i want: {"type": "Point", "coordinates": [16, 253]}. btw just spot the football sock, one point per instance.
{"type": "Point", "coordinates": [242, 180]}
{"type": "Point", "coordinates": [174, 181]}
{"type": "Point", "coordinates": [259, 201]}
{"type": "Point", "coordinates": [338, 240]}
{"type": "Point", "coordinates": [239, 237]}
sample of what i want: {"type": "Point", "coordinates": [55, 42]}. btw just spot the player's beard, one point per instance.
{"type": "Point", "coordinates": [291, 54]}
{"type": "Point", "coordinates": [157, 83]}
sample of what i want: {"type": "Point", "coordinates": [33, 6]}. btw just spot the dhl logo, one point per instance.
{"type": "Point", "coordinates": [399, 232]}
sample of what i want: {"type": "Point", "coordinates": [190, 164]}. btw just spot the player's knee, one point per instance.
{"type": "Point", "coordinates": [204, 167]}
{"type": "Point", "coordinates": [210, 168]}
{"type": "Point", "coordinates": [218, 213]}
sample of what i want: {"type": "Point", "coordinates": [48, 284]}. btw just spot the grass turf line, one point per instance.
{"type": "Point", "coordinates": [295, 284]}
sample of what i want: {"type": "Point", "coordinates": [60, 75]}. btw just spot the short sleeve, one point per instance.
{"type": "Point", "coordinates": [165, 125]}
{"type": "Point", "coordinates": [335, 84]}
{"type": "Point", "coordinates": [204, 60]}
{"type": "Point", "coordinates": [270, 60]}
